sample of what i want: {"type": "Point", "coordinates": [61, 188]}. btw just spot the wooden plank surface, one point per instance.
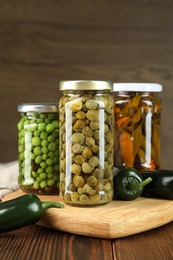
{"type": "Point", "coordinates": [35, 242]}
{"type": "Point", "coordinates": [113, 220]}
{"type": "Point", "coordinates": [43, 42]}
{"type": "Point", "coordinates": [153, 244]}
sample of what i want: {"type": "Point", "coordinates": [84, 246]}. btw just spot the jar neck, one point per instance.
{"type": "Point", "coordinates": [83, 92]}
{"type": "Point", "coordinates": [40, 115]}
{"type": "Point", "coordinates": [132, 94]}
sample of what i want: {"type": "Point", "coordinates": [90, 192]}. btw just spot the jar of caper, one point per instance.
{"type": "Point", "coordinates": [38, 148]}
{"type": "Point", "coordinates": [137, 125]}
{"type": "Point", "coordinates": [86, 142]}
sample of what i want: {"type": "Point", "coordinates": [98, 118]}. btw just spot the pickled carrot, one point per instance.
{"type": "Point", "coordinates": [152, 165]}
{"type": "Point", "coordinates": [126, 146]}
{"type": "Point", "coordinates": [122, 120]}
{"type": "Point", "coordinates": [117, 110]}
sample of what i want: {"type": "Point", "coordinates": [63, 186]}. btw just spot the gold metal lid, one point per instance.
{"type": "Point", "coordinates": [85, 85]}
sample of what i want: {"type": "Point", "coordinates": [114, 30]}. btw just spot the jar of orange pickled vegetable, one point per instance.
{"type": "Point", "coordinates": [137, 125]}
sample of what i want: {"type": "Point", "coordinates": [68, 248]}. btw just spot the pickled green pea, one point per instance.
{"type": "Point", "coordinates": [32, 156]}
{"type": "Point", "coordinates": [43, 176]}
{"type": "Point", "coordinates": [19, 135]}
{"type": "Point", "coordinates": [45, 149]}
{"type": "Point", "coordinates": [49, 161]}
{"type": "Point", "coordinates": [21, 156]}
{"type": "Point", "coordinates": [36, 141]}
{"type": "Point", "coordinates": [50, 175]}
{"type": "Point", "coordinates": [43, 135]}
{"type": "Point", "coordinates": [50, 182]}
{"type": "Point", "coordinates": [56, 159]}
{"type": "Point", "coordinates": [26, 122]}
{"type": "Point", "coordinates": [50, 128]}
{"type": "Point", "coordinates": [38, 179]}
{"type": "Point", "coordinates": [52, 147]}
{"type": "Point", "coordinates": [56, 134]}
{"type": "Point", "coordinates": [51, 138]}
{"type": "Point", "coordinates": [37, 150]}
{"type": "Point", "coordinates": [23, 132]}
{"type": "Point", "coordinates": [34, 174]}
{"type": "Point", "coordinates": [32, 121]}
{"type": "Point", "coordinates": [56, 167]}
{"type": "Point", "coordinates": [44, 156]}
{"type": "Point", "coordinates": [47, 120]}
{"type": "Point", "coordinates": [51, 154]}
{"type": "Point", "coordinates": [20, 126]}
{"type": "Point", "coordinates": [40, 170]}
{"type": "Point", "coordinates": [56, 178]}
{"type": "Point", "coordinates": [38, 159]}
{"type": "Point", "coordinates": [55, 124]}
{"type": "Point", "coordinates": [43, 184]}
{"type": "Point", "coordinates": [36, 185]}
{"type": "Point", "coordinates": [21, 148]}
{"type": "Point", "coordinates": [39, 120]}
{"type": "Point", "coordinates": [43, 165]}
{"type": "Point", "coordinates": [44, 143]}
{"type": "Point", "coordinates": [36, 133]}
{"type": "Point", "coordinates": [41, 127]}
{"type": "Point", "coordinates": [49, 169]}
{"type": "Point", "coordinates": [56, 153]}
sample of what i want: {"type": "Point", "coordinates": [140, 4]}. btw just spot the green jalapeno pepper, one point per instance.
{"type": "Point", "coordinates": [23, 211]}
{"type": "Point", "coordinates": [162, 184]}
{"type": "Point", "coordinates": [129, 184]}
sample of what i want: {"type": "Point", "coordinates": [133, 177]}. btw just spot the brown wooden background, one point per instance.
{"type": "Point", "coordinates": [43, 42]}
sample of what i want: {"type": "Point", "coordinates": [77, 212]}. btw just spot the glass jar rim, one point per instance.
{"type": "Point", "coordinates": [85, 85]}
{"type": "Point", "coordinates": [38, 107]}
{"type": "Point", "coordinates": [137, 87]}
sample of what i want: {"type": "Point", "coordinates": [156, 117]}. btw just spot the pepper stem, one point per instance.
{"type": "Point", "coordinates": [46, 205]}
{"type": "Point", "coordinates": [137, 186]}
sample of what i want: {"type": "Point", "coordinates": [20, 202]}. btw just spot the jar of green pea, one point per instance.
{"type": "Point", "coordinates": [38, 148]}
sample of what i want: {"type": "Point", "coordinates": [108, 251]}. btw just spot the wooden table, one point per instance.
{"type": "Point", "coordinates": [36, 242]}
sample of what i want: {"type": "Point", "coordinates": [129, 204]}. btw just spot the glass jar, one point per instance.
{"type": "Point", "coordinates": [86, 142]}
{"type": "Point", "coordinates": [38, 148]}
{"type": "Point", "coordinates": [137, 125]}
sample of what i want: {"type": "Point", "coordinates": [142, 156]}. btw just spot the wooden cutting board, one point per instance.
{"type": "Point", "coordinates": [113, 220]}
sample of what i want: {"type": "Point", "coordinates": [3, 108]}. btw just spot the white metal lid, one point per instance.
{"type": "Point", "coordinates": [137, 87]}
{"type": "Point", "coordinates": [38, 107]}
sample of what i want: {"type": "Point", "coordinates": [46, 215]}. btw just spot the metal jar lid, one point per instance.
{"type": "Point", "coordinates": [38, 107]}
{"type": "Point", "coordinates": [137, 87]}
{"type": "Point", "coordinates": [85, 85]}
